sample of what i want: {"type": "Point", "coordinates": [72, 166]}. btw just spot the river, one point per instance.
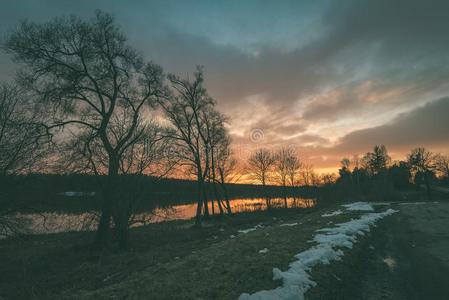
{"type": "Point", "coordinates": [53, 222]}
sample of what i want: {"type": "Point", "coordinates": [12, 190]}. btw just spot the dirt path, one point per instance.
{"type": "Point", "coordinates": [405, 257]}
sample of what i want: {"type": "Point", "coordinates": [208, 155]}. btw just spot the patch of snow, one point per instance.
{"type": "Point", "coordinates": [289, 224]}
{"type": "Point", "coordinates": [390, 262]}
{"type": "Point", "coordinates": [380, 203]}
{"type": "Point", "coordinates": [264, 250]}
{"type": "Point", "coordinates": [297, 279]}
{"type": "Point", "coordinates": [413, 203]}
{"type": "Point", "coordinates": [77, 194]}
{"type": "Point", "coordinates": [232, 236]}
{"type": "Point", "coordinates": [359, 206]}
{"type": "Point", "coordinates": [334, 213]}
{"type": "Point", "coordinates": [245, 231]}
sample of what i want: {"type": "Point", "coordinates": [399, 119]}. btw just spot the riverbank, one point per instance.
{"type": "Point", "coordinates": [403, 257]}
{"type": "Point", "coordinates": [58, 265]}
{"type": "Point", "coordinates": [82, 193]}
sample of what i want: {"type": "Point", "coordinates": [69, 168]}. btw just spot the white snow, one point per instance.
{"type": "Point", "coordinates": [297, 280]}
{"type": "Point", "coordinates": [360, 206]}
{"type": "Point", "coordinates": [77, 194]}
{"type": "Point", "coordinates": [334, 213]}
{"type": "Point", "coordinates": [264, 250]}
{"type": "Point", "coordinates": [245, 231]}
{"type": "Point", "coordinates": [412, 203]}
{"type": "Point", "coordinates": [390, 262]}
{"type": "Point", "coordinates": [289, 224]}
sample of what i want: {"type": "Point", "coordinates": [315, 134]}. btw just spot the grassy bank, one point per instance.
{"type": "Point", "coordinates": [60, 265]}
{"type": "Point", "coordinates": [166, 260]}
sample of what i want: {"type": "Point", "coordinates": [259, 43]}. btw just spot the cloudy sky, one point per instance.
{"type": "Point", "coordinates": [330, 78]}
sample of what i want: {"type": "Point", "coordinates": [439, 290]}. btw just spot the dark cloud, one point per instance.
{"type": "Point", "coordinates": [314, 65]}
{"type": "Point", "coordinates": [426, 125]}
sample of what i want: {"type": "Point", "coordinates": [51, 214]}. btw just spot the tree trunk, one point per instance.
{"type": "Point", "coordinates": [199, 207]}
{"type": "Point", "coordinates": [121, 228]}
{"type": "Point", "coordinates": [225, 192]}
{"type": "Point", "coordinates": [429, 192]}
{"type": "Point", "coordinates": [102, 238]}
{"type": "Point", "coordinates": [205, 202]}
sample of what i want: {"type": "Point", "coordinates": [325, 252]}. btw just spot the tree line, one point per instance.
{"type": "Point", "coordinates": [283, 167]}
{"type": "Point", "coordinates": [376, 168]}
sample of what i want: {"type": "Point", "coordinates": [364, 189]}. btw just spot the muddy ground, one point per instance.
{"type": "Point", "coordinates": [405, 257]}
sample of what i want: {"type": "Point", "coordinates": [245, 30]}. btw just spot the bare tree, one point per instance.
{"type": "Point", "coordinates": [328, 178]}
{"type": "Point", "coordinates": [422, 161]}
{"type": "Point", "coordinates": [260, 164]}
{"type": "Point", "coordinates": [93, 85]}
{"type": "Point", "coordinates": [21, 137]}
{"type": "Point", "coordinates": [226, 168]}
{"type": "Point", "coordinates": [22, 148]}
{"type": "Point", "coordinates": [219, 149]}
{"type": "Point", "coordinates": [192, 114]}
{"type": "Point", "coordinates": [293, 169]}
{"type": "Point", "coordinates": [307, 174]}
{"type": "Point", "coordinates": [281, 165]}
{"type": "Point", "coordinates": [442, 165]}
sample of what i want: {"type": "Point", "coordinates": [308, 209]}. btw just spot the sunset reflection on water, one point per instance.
{"type": "Point", "coordinates": [50, 222]}
{"type": "Point", "coordinates": [188, 211]}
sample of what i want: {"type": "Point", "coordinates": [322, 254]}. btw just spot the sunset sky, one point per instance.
{"type": "Point", "coordinates": [329, 78]}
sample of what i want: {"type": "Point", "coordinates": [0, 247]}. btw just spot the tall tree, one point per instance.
{"type": "Point", "coordinates": [260, 164]}
{"type": "Point", "coordinates": [92, 83]}
{"type": "Point", "coordinates": [422, 161]}
{"type": "Point", "coordinates": [281, 165]}
{"type": "Point", "coordinates": [21, 136]}
{"type": "Point", "coordinates": [345, 170]}
{"type": "Point", "coordinates": [293, 169]}
{"type": "Point", "coordinates": [308, 176]}
{"type": "Point", "coordinates": [22, 148]}
{"type": "Point", "coordinates": [376, 162]}
{"type": "Point", "coordinates": [442, 165]}
{"type": "Point", "coordinates": [226, 168]}
{"type": "Point", "coordinates": [191, 113]}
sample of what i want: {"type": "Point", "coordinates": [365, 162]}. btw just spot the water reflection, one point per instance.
{"type": "Point", "coordinates": [62, 222]}
{"type": "Point", "coordinates": [188, 211]}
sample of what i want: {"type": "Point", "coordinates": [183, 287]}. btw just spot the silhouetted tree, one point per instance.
{"type": "Point", "coordinates": [442, 165]}
{"type": "Point", "coordinates": [190, 111]}
{"type": "Point", "coordinates": [21, 136]}
{"type": "Point", "coordinates": [22, 147]}
{"type": "Point", "coordinates": [92, 83]}
{"type": "Point", "coordinates": [399, 173]}
{"type": "Point", "coordinates": [260, 164]}
{"type": "Point", "coordinates": [293, 169]}
{"type": "Point", "coordinates": [283, 166]}
{"type": "Point", "coordinates": [422, 162]}
{"type": "Point", "coordinates": [226, 167]}
{"type": "Point", "coordinates": [308, 176]}
{"type": "Point", "coordinates": [376, 162]}
{"type": "Point", "coordinates": [328, 178]}
{"type": "Point", "coordinates": [345, 170]}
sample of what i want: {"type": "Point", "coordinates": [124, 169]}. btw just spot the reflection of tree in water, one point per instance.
{"type": "Point", "coordinates": [53, 222]}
